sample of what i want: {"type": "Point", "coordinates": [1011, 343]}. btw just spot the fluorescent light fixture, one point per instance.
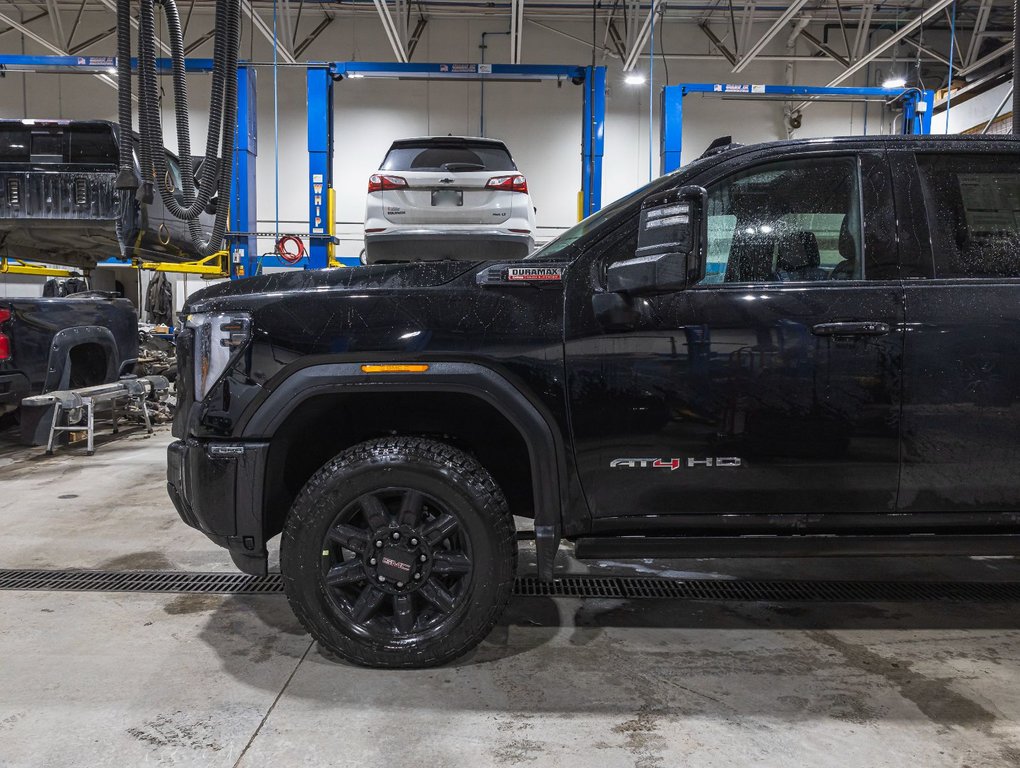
{"type": "Point", "coordinates": [895, 82]}
{"type": "Point", "coordinates": [635, 78]}
{"type": "Point", "coordinates": [355, 74]}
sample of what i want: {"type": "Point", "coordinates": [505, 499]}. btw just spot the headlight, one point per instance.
{"type": "Point", "coordinates": [219, 338]}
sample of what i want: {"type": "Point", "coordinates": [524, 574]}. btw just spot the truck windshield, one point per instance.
{"type": "Point", "coordinates": [612, 213]}
{"type": "Point", "coordinates": [599, 219]}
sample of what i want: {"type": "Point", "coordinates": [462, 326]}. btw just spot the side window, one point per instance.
{"type": "Point", "coordinates": [973, 206]}
{"type": "Point", "coordinates": [788, 221]}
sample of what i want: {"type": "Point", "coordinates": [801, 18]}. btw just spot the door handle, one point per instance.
{"type": "Point", "coordinates": [863, 328]}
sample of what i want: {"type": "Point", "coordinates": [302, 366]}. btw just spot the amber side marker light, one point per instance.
{"type": "Point", "coordinates": [421, 368]}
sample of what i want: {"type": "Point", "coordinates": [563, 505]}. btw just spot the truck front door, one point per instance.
{"type": "Point", "coordinates": [773, 386]}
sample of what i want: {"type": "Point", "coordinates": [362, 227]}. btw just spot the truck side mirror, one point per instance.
{"type": "Point", "coordinates": [671, 239]}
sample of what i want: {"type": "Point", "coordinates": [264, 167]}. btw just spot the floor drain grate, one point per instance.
{"type": "Point", "coordinates": [608, 587]}
{"type": "Point", "coordinates": [141, 581]}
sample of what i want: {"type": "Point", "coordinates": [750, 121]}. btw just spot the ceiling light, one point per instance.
{"type": "Point", "coordinates": [355, 74]}
{"type": "Point", "coordinates": [635, 78]}
{"type": "Point", "coordinates": [895, 82]}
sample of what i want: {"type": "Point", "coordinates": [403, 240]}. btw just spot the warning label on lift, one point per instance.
{"type": "Point", "coordinates": [733, 88]}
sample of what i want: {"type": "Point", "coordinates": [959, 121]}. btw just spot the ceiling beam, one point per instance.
{"type": "Point", "coordinates": [927, 51]}
{"type": "Point", "coordinates": [391, 30]}
{"type": "Point", "coordinates": [516, 30]}
{"type": "Point", "coordinates": [889, 42]}
{"type": "Point", "coordinates": [826, 49]}
{"type": "Point", "coordinates": [730, 56]}
{"type": "Point", "coordinates": [313, 35]}
{"type": "Point", "coordinates": [56, 23]}
{"type": "Point", "coordinates": [987, 59]}
{"type": "Point", "coordinates": [644, 33]}
{"type": "Point", "coordinates": [784, 18]}
{"type": "Point", "coordinates": [980, 24]}
{"type": "Point", "coordinates": [265, 30]}
{"type": "Point", "coordinates": [112, 5]}
{"type": "Point", "coordinates": [26, 21]}
{"type": "Point", "coordinates": [91, 41]}
{"type": "Point", "coordinates": [47, 44]}
{"type": "Point", "coordinates": [863, 30]}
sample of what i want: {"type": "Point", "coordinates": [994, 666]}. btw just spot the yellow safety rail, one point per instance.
{"type": "Point", "coordinates": [19, 267]}
{"type": "Point", "coordinates": [330, 228]}
{"type": "Point", "coordinates": [216, 265]}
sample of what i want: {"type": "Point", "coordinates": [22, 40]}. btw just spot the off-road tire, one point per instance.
{"type": "Point", "coordinates": [460, 485]}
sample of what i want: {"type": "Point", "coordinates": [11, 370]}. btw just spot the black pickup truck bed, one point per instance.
{"type": "Point", "coordinates": [59, 343]}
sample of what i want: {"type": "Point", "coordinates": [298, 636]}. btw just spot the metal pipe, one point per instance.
{"type": "Point", "coordinates": [1016, 69]}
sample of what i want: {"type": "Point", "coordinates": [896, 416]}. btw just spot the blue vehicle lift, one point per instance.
{"type": "Point", "coordinates": [242, 247]}
{"type": "Point", "coordinates": [917, 107]}
{"type": "Point", "coordinates": [320, 81]}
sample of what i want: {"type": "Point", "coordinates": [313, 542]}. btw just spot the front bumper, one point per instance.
{"type": "Point", "coordinates": [438, 245]}
{"type": "Point", "coordinates": [217, 488]}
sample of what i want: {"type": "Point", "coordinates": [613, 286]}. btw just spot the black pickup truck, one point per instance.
{"type": "Point", "coordinates": [798, 348]}
{"type": "Point", "coordinates": [59, 204]}
{"type": "Point", "coordinates": [63, 343]}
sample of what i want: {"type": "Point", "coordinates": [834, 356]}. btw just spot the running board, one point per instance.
{"type": "Point", "coordinates": [795, 546]}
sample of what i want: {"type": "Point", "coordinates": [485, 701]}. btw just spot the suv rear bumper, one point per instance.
{"type": "Point", "coordinates": [436, 245]}
{"type": "Point", "coordinates": [217, 489]}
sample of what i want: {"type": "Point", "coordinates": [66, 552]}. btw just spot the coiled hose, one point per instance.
{"type": "Point", "coordinates": [126, 179]}
{"type": "Point", "coordinates": [220, 137]}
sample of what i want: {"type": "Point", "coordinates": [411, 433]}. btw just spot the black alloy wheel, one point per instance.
{"type": "Point", "coordinates": [396, 564]}
{"type": "Point", "coordinates": [399, 552]}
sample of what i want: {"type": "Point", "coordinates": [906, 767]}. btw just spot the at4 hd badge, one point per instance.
{"type": "Point", "coordinates": [674, 464]}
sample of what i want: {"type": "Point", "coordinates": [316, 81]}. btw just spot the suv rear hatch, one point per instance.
{"type": "Point", "coordinates": [447, 182]}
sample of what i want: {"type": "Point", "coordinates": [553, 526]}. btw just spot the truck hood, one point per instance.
{"type": "Point", "coordinates": [376, 277]}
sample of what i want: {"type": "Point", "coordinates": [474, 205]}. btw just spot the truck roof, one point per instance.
{"type": "Point", "coordinates": [841, 141]}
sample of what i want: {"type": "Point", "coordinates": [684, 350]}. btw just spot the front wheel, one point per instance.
{"type": "Point", "coordinates": [399, 552]}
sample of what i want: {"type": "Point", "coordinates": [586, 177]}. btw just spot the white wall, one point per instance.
{"type": "Point", "coordinates": [541, 122]}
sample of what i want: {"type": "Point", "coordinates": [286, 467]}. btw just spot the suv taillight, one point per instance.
{"type": "Point", "coordinates": [5, 340]}
{"type": "Point", "coordinates": [515, 183]}
{"type": "Point", "coordinates": [379, 183]}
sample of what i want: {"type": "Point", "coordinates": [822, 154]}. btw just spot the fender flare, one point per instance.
{"type": "Point", "coordinates": [58, 370]}
{"type": "Point", "coordinates": [536, 426]}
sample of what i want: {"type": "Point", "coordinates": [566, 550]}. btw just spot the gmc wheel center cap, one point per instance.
{"type": "Point", "coordinates": [396, 564]}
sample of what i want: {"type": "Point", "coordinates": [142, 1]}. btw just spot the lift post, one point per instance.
{"type": "Point", "coordinates": [243, 216]}
{"type": "Point", "coordinates": [917, 107]}
{"type": "Point", "coordinates": [320, 81]}
{"type": "Point", "coordinates": [321, 218]}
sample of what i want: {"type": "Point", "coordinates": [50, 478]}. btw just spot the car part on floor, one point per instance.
{"type": "Point", "coordinates": [71, 405]}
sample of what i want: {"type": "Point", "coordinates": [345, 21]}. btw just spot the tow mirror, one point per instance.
{"type": "Point", "coordinates": [671, 239]}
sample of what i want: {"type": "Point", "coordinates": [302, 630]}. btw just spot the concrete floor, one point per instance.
{"type": "Point", "coordinates": [135, 679]}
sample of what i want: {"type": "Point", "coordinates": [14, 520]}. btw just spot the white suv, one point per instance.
{"type": "Point", "coordinates": [448, 197]}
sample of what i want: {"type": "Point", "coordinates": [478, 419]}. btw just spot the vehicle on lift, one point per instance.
{"type": "Point", "coordinates": [59, 204]}
{"type": "Point", "coordinates": [448, 197]}
{"type": "Point", "coordinates": [67, 342]}
{"type": "Point", "coordinates": [798, 348]}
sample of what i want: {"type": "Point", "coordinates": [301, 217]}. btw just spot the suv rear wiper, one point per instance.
{"type": "Point", "coordinates": [454, 167]}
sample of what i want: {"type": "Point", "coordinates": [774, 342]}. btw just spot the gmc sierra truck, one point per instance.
{"type": "Point", "coordinates": [798, 348]}
{"type": "Point", "coordinates": [63, 343]}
